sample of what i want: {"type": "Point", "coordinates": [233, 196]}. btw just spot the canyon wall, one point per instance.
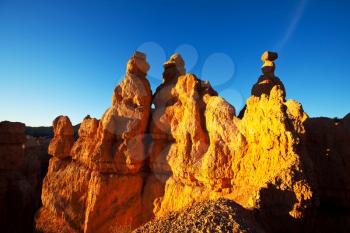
{"type": "Point", "coordinates": [22, 168]}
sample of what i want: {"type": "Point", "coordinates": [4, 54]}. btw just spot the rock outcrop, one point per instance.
{"type": "Point", "coordinates": [21, 173]}
{"type": "Point", "coordinates": [98, 187]}
{"type": "Point", "coordinates": [268, 80]}
{"type": "Point", "coordinates": [211, 153]}
{"type": "Point", "coordinates": [12, 137]}
{"type": "Point", "coordinates": [63, 140]}
{"type": "Point", "coordinates": [177, 161]}
{"type": "Point", "coordinates": [327, 144]}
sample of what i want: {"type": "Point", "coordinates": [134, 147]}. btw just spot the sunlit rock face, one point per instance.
{"type": "Point", "coordinates": [98, 186]}
{"type": "Point", "coordinates": [211, 153]}
{"type": "Point", "coordinates": [137, 163]}
{"type": "Point", "coordinates": [63, 140]}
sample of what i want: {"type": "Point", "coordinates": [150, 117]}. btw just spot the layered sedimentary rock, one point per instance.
{"type": "Point", "coordinates": [12, 137]}
{"type": "Point", "coordinates": [98, 186]}
{"type": "Point", "coordinates": [327, 143]}
{"type": "Point", "coordinates": [136, 162]}
{"type": "Point", "coordinates": [20, 177]}
{"type": "Point", "coordinates": [211, 153]}
{"type": "Point", "coordinates": [63, 140]}
{"type": "Point", "coordinates": [12, 155]}
{"type": "Point", "coordinates": [114, 144]}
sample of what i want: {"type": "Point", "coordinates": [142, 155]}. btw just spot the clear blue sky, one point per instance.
{"type": "Point", "coordinates": [65, 57]}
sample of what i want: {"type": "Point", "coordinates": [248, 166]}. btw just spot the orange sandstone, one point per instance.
{"type": "Point", "coordinates": [63, 140]}
{"type": "Point", "coordinates": [136, 163]}
{"type": "Point", "coordinates": [99, 189]}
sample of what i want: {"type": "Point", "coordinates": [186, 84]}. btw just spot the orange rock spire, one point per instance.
{"type": "Point", "coordinates": [268, 80]}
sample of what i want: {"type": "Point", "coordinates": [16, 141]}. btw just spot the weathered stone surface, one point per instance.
{"type": "Point", "coordinates": [12, 132]}
{"type": "Point", "coordinates": [20, 178]}
{"type": "Point", "coordinates": [35, 165]}
{"type": "Point", "coordinates": [153, 191]}
{"type": "Point", "coordinates": [137, 64]}
{"type": "Point", "coordinates": [11, 155]}
{"type": "Point", "coordinates": [212, 153]}
{"type": "Point", "coordinates": [114, 144]}
{"type": "Point", "coordinates": [327, 143]}
{"type": "Point", "coordinates": [84, 146]}
{"type": "Point", "coordinates": [133, 165]}
{"type": "Point", "coordinates": [46, 221]}
{"type": "Point", "coordinates": [159, 127]}
{"type": "Point", "coordinates": [63, 140]}
{"type": "Point", "coordinates": [65, 191]}
{"type": "Point", "coordinates": [100, 189]}
{"type": "Point", "coordinates": [227, 144]}
{"type": "Point", "coordinates": [12, 138]}
{"type": "Point", "coordinates": [178, 123]}
{"type": "Point", "coordinates": [273, 157]}
{"type": "Point", "coordinates": [114, 203]}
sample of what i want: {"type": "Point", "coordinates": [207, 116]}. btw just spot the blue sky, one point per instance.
{"type": "Point", "coordinates": [65, 57]}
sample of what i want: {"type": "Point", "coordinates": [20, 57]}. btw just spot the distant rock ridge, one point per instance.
{"type": "Point", "coordinates": [22, 167]}
{"type": "Point", "coordinates": [138, 163]}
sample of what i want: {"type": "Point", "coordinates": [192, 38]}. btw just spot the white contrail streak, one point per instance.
{"type": "Point", "coordinates": [292, 26]}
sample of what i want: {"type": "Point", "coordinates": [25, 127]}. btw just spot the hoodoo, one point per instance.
{"type": "Point", "coordinates": [262, 171]}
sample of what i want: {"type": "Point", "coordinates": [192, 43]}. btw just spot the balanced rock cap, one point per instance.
{"type": "Point", "coordinates": [268, 68]}
{"type": "Point", "coordinates": [138, 64]}
{"type": "Point", "coordinates": [269, 56]}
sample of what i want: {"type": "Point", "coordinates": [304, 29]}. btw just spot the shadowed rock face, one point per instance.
{"type": "Point", "coordinates": [327, 143]}
{"type": "Point", "coordinates": [134, 164]}
{"type": "Point", "coordinates": [22, 168]}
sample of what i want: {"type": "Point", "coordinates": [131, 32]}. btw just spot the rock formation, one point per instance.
{"type": "Point", "coordinates": [268, 80]}
{"type": "Point", "coordinates": [21, 173]}
{"type": "Point", "coordinates": [63, 140]}
{"type": "Point", "coordinates": [327, 145]}
{"type": "Point", "coordinates": [12, 137]}
{"type": "Point", "coordinates": [99, 188]}
{"type": "Point", "coordinates": [188, 153]}
{"type": "Point", "coordinates": [211, 153]}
